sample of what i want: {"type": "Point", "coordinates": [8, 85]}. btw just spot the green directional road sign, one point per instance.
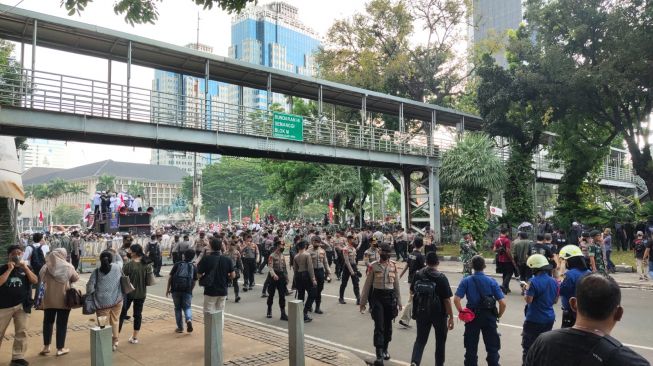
{"type": "Point", "coordinates": [288, 126]}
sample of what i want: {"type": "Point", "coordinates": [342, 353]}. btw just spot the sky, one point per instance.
{"type": "Point", "coordinates": [177, 24]}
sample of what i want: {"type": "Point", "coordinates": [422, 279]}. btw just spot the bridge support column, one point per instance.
{"type": "Point", "coordinates": [420, 204]}
{"type": "Point", "coordinates": [404, 179]}
{"type": "Point", "coordinates": [434, 201]}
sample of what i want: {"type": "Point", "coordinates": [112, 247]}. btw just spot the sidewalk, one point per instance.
{"type": "Point", "coordinates": [244, 344]}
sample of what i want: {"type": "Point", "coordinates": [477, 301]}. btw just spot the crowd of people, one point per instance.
{"type": "Point", "coordinates": [552, 269]}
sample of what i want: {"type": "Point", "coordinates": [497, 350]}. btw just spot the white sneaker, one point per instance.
{"type": "Point", "coordinates": [133, 340]}
{"type": "Point", "coordinates": [115, 347]}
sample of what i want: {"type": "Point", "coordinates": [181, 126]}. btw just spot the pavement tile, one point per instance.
{"type": "Point", "coordinates": [244, 344]}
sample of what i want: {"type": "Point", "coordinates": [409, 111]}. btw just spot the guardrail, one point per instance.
{"type": "Point", "coordinates": [69, 94]}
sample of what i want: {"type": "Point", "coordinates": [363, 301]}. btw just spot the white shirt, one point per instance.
{"type": "Point", "coordinates": [136, 204]}
{"type": "Point", "coordinates": [27, 255]}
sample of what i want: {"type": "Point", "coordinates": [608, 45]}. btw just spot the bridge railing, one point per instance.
{"type": "Point", "coordinates": [69, 94]}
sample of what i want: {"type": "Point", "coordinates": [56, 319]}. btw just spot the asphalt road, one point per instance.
{"type": "Point", "coordinates": [344, 326]}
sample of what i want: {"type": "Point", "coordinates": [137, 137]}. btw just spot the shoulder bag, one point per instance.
{"type": "Point", "coordinates": [88, 304]}
{"type": "Point", "coordinates": [150, 280]}
{"type": "Point", "coordinates": [487, 302]}
{"type": "Point", "coordinates": [126, 285]}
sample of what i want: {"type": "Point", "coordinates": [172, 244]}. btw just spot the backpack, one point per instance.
{"type": "Point", "coordinates": [426, 302]}
{"type": "Point", "coordinates": [153, 250]}
{"type": "Point", "coordinates": [182, 281]}
{"type": "Point", "coordinates": [37, 259]}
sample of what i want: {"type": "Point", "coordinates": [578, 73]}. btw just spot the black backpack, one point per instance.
{"type": "Point", "coordinates": [37, 259]}
{"type": "Point", "coordinates": [426, 302]}
{"type": "Point", "coordinates": [153, 250]}
{"type": "Point", "coordinates": [182, 281]}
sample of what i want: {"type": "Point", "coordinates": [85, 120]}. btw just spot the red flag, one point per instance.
{"type": "Point", "coordinates": [229, 211]}
{"type": "Point", "coordinates": [40, 217]}
{"type": "Point", "coordinates": [331, 211]}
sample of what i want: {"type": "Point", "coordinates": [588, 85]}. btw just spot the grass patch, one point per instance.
{"type": "Point", "coordinates": [618, 257]}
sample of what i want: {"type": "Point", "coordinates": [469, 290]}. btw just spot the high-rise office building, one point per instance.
{"type": "Point", "coordinates": [272, 35]}
{"type": "Point", "coordinates": [43, 153]}
{"type": "Point", "coordinates": [490, 21]}
{"type": "Point", "coordinates": [181, 99]}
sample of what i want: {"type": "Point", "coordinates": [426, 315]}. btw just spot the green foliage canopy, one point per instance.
{"type": "Point", "coordinates": [146, 11]}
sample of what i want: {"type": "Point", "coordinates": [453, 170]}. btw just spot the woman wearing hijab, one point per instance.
{"type": "Point", "coordinates": [137, 269]}
{"type": "Point", "coordinates": [57, 275]}
{"type": "Point", "coordinates": [104, 286]}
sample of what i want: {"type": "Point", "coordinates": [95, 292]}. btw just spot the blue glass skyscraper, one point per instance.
{"type": "Point", "coordinates": [272, 35]}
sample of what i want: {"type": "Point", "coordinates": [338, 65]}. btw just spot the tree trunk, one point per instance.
{"type": "Point", "coordinates": [576, 170]}
{"type": "Point", "coordinates": [518, 195]}
{"type": "Point", "coordinates": [642, 162]}
{"type": "Point", "coordinates": [395, 183]}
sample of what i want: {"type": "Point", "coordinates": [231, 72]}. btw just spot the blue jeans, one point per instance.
{"type": "Point", "coordinates": [486, 323]}
{"type": "Point", "coordinates": [182, 301]}
{"type": "Point", "coordinates": [650, 268]}
{"type": "Point", "coordinates": [608, 255]}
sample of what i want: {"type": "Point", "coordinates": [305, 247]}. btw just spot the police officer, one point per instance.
{"type": "Point", "coordinates": [382, 289]}
{"type": "Point", "coordinates": [350, 270]}
{"type": "Point", "coordinates": [481, 292]}
{"type": "Point", "coordinates": [371, 255]}
{"type": "Point", "coordinates": [304, 277]}
{"type": "Point", "coordinates": [338, 245]}
{"type": "Point", "coordinates": [278, 278]}
{"type": "Point", "coordinates": [321, 268]}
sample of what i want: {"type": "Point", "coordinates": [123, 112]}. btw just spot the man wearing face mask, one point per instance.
{"type": "Point", "coordinates": [304, 278]}
{"type": "Point", "coordinates": [598, 309]}
{"type": "Point", "coordinates": [321, 268]}
{"type": "Point", "coordinates": [382, 289]}
{"type": "Point", "coordinates": [349, 270]}
{"type": "Point", "coordinates": [278, 279]}
{"type": "Point", "coordinates": [16, 279]}
{"type": "Point", "coordinates": [372, 254]}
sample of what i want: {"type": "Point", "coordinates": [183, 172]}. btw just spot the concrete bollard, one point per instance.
{"type": "Point", "coordinates": [213, 329]}
{"type": "Point", "coordinates": [101, 342]}
{"type": "Point", "coordinates": [296, 332]}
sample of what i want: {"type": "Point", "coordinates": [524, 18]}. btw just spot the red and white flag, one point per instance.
{"type": "Point", "coordinates": [40, 217]}
{"type": "Point", "coordinates": [331, 211]}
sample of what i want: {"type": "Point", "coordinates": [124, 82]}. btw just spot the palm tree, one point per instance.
{"type": "Point", "coordinates": [472, 170]}
{"type": "Point", "coordinates": [105, 183]}
{"type": "Point", "coordinates": [76, 188]}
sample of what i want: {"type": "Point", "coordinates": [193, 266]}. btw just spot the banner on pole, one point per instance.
{"type": "Point", "coordinates": [496, 211]}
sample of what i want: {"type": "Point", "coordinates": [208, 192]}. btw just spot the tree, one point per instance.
{"type": "Point", "coordinates": [513, 107]}
{"type": "Point", "coordinates": [472, 170]}
{"type": "Point", "coordinates": [105, 183]}
{"type": "Point", "coordinates": [66, 215]}
{"type": "Point", "coordinates": [373, 50]}
{"type": "Point", "coordinates": [604, 49]}
{"type": "Point", "coordinates": [146, 11]}
{"type": "Point", "coordinates": [228, 183]}
{"type": "Point", "coordinates": [75, 188]}
{"type": "Point", "coordinates": [340, 183]}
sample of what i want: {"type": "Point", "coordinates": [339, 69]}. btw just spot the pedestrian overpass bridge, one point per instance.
{"type": "Point", "coordinates": [41, 104]}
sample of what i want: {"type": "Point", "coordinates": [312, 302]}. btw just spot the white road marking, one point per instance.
{"type": "Point", "coordinates": [365, 352]}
